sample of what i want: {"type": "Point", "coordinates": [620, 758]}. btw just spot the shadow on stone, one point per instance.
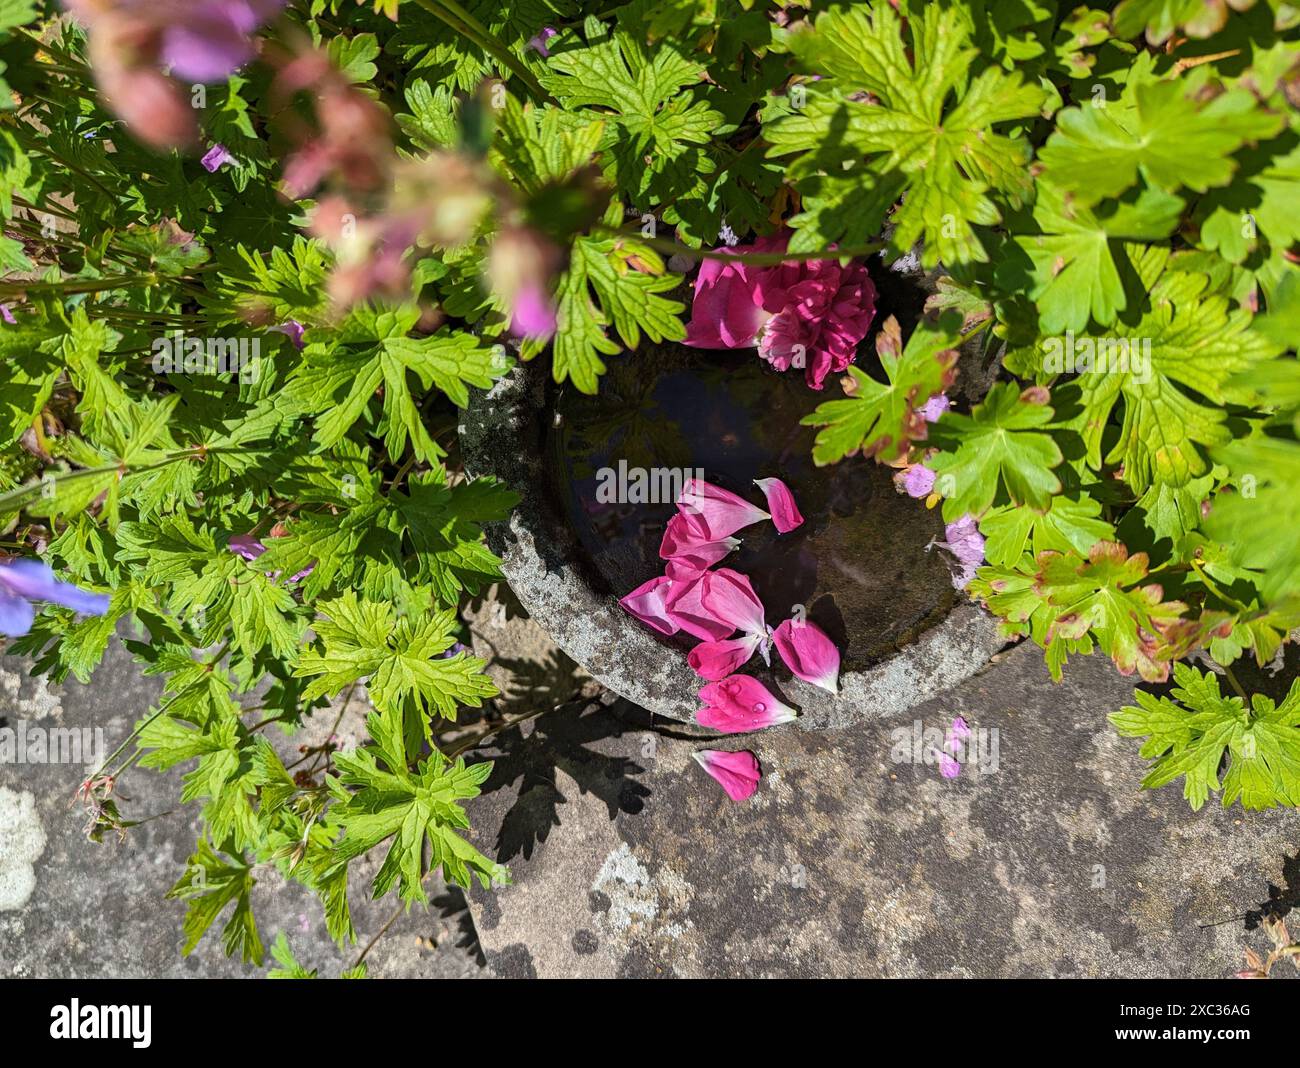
{"type": "Point", "coordinates": [574, 739]}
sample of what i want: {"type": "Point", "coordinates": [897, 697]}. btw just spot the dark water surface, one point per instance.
{"type": "Point", "coordinates": [859, 563]}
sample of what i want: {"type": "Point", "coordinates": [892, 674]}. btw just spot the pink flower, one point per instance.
{"type": "Point", "coordinates": [809, 653]}
{"type": "Point", "coordinates": [538, 42]}
{"type": "Point", "coordinates": [741, 703]}
{"type": "Point", "coordinates": [808, 315]}
{"type": "Point", "coordinates": [785, 513]}
{"type": "Point", "coordinates": [964, 540]}
{"type": "Point", "coordinates": [959, 731]}
{"type": "Point", "coordinates": [646, 602]}
{"type": "Point", "coordinates": [737, 773]}
{"type": "Point", "coordinates": [948, 766]}
{"type": "Point", "coordinates": [718, 513]}
{"type": "Point", "coordinates": [533, 315]}
{"type": "Point", "coordinates": [717, 660]}
{"type": "Point", "coordinates": [292, 329]}
{"type": "Point", "coordinates": [7, 315]}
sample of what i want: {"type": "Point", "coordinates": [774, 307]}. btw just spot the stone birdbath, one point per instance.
{"type": "Point", "coordinates": [861, 567]}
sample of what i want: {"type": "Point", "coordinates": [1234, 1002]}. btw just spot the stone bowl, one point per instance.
{"type": "Point", "coordinates": [925, 636]}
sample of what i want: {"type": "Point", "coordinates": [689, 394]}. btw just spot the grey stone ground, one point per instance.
{"type": "Point", "coordinates": [628, 860]}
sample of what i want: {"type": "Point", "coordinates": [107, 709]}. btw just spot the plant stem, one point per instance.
{"type": "Point", "coordinates": [1232, 680]}
{"type": "Point", "coordinates": [85, 285]}
{"type": "Point", "coordinates": [460, 20]}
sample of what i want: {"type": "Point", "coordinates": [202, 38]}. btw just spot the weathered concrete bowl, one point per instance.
{"type": "Point", "coordinates": [926, 638]}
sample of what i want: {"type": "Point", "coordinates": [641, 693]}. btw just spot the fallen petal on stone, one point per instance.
{"type": "Point", "coordinates": [809, 653]}
{"type": "Point", "coordinates": [737, 773]}
{"type": "Point", "coordinates": [741, 703]}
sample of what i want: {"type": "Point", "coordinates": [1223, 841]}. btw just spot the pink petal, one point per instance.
{"type": "Point", "coordinates": [780, 501]}
{"type": "Point", "coordinates": [533, 315]}
{"type": "Point", "coordinates": [717, 660]}
{"type": "Point", "coordinates": [809, 653]}
{"type": "Point", "coordinates": [646, 602]}
{"type": "Point", "coordinates": [737, 773]}
{"type": "Point", "coordinates": [730, 598]}
{"type": "Point", "coordinates": [741, 703]}
{"type": "Point", "coordinates": [918, 481]}
{"type": "Point", "coordinates": [959, 730]}
{"type": "Point", "coordinates": [725, 313]}
{"type": "Point", "coordinates": [718, 512]}
{"type": "Point", "coordinates": [948, 767]}
{"type": "Point", "coordinates": [686, 539]}
{"type": "Point", "coordinates": [688, 609]}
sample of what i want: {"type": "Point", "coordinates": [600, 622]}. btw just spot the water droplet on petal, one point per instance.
{"type": "Point", "coordinates": [760, 708]}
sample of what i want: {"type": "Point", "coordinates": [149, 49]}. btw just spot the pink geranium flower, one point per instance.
{"type": "Point", "coordinates": [741, 703]}
{"type": "Point", "coordinates": [785, 513]}
{"type": "Point", "coordinates": [808, 315]}
{"type": "Point", "coordinates": [809, 653]}
{"type": "Point", "coordinates": [737, 773]}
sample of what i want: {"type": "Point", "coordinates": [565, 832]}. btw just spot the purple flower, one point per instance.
{"type": "Point", "coordinates": [214, 37]}
{"type": "Point", "coordinates": [917, 481]}
{"type": "Point", "coordinates": [935, 407]}
{"type": "Point", "coordinates": [948, 766]}
{"type": "Point", "coordinates": [292, 329]}
{"type": "Point", "coordinates": [539, 42]}
{"type": "Point", "coordinates": [456, 649]}
{"type": "Point", "coordinates": [7, 315]}
{"type": "Point", "coordinates": [215, 157]}
{"type": "Point", "coordinates": [964, 540]}
{"type": "Point", "coordinates": [24, 581]}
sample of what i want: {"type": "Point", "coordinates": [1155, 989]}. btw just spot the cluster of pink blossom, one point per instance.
{"type": "Point", "coordinates": [807, 314]}
{"type": "Point", "coordinates": [714, 603]}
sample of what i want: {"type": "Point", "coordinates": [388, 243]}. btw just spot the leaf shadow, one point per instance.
{"type": "Point", "coordinates": [578, 739]}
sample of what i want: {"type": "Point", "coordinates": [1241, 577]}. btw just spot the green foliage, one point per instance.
{"type": "Point", "coordinates": [1118, 184]}
{"type": "Point", "coordinates": [1193, 735]}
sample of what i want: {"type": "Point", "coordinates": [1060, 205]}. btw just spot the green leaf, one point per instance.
{"type": "Point", "coordinates": [625, 296]}
{"type": "Point", "coordinates": [922, 115]}
{"type": "Point", "coordinates": [410, 808]}
{"type": "Point", "coordinates": [998, 443]}
{"type": "Point", "coordinates": [400, 657]}
{"type": "Point", "coordinates": [341, 374]}
{"type": "Point", "coordinates": [1190, 735]}
{"type": "Point", "coordinates": [209, 885]}
{"type": "Point", "coordinates": [1159, 130]}
{"type": "Point", "coordinates": [881, 418]}
{"type": "Point", "coordinates": [1100, 596]}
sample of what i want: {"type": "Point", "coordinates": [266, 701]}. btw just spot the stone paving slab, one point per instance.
{"type": "Point", "coordinates": [849, 861]}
